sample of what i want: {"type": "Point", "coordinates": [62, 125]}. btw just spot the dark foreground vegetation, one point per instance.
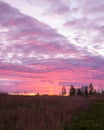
{"type": "Point", "coordinates": [45, 112]}
{"type": "Point", "coordinates": [93, 119]}
{"type": "Point", "coordinates": [39, 112]}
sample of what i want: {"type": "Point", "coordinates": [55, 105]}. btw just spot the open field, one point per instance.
{"type": "Point", "coordinates": [39, 112]}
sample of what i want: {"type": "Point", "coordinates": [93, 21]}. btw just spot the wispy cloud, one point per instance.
{"type": "Point", "coordinates": [46, 43]}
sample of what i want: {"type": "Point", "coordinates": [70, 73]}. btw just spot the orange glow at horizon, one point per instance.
{"type": "Point", "coordinates": [23, 94]}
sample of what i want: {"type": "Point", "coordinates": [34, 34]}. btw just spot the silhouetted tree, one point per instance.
{"type": "Point", "coordinates": [91, 89]}
{"type": "Point", "coordinates": [102, 92]}
{"type": "Point", "coordinates": [94, 92]}
{"type": "Point", "coordinates": [37, 94]}
{"type": "Point", "coordinates": [79, 92]}
{"type": "Point", "coordinates": [86, 91]}
{"type": "Point", "coordinates": [63, 90]}
{"type": "Point", "coordinates": [72, 90]}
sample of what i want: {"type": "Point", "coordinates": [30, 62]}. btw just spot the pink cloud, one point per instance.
{"type": "Point", "coordinates": [35, 57]}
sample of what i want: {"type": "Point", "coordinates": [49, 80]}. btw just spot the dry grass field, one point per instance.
{"type": "Point", "coordinates": [39, 112]}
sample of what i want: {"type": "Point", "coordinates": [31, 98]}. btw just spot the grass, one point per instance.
{"type": "Point", "coordinates": [39, 112]}
{"type": "Point", "coordinates": [93, 119]}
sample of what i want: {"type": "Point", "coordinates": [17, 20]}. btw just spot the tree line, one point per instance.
{"type": "Point", "coordinates": [84, 91]}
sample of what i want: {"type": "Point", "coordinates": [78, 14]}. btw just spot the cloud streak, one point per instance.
{"type": "Point", "coordinates": [37, 52]}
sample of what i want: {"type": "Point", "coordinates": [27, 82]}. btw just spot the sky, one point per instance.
{"type": "Point", "coordinates": [45, 44]}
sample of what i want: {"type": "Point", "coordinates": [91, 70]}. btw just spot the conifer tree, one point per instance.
{"type": "Point", "coordinates": [72, 91]}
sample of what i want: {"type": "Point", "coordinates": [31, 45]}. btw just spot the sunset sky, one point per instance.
{"type": "Point", "coordinates": [45, 44]}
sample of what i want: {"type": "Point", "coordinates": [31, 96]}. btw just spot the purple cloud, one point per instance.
{"type": "Point", "coordinates": [31, 49]}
